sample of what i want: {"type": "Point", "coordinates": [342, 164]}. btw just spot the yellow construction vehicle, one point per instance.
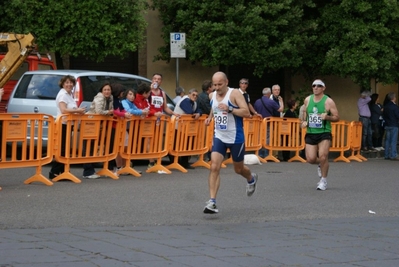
{"type": "Point", "coordinates": [19, 47]}
{"type": "Point", "coordinates": [17, 59]}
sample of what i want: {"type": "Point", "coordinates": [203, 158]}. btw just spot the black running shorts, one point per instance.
{"type": "Point", "coordinates": [314, 139]}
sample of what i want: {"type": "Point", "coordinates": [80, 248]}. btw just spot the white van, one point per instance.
{"type": "Point", "coordinates": [36, 90]}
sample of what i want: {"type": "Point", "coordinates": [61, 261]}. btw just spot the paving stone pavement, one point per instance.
{"type": "Point", "coordinates": [123, 222]}
{"type": "Point", "coordinates": [331, 242]}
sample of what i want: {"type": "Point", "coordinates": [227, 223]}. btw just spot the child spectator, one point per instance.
{"type": "Point", "coordinates": [118, 92]}
{"type": "Point", "coordinates": [129, 106]}
{"type": "Point", "coordinates": [141, 99]}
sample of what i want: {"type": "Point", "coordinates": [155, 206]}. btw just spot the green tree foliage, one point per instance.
{"type": "Point", "coordinates": [266, 34]}
{"type": "Point", "coordinates": [349, 38]}
{"type": "Point", "coordinates": [360, 40]}
{"type": "Point", "coordinates": [90, 28]}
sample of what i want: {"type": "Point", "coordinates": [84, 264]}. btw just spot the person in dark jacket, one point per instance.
{"type": "Point", "coordinates": [290, 113]}
{"type": "Point", "coordinates": [266, 107]}
{"type": "Point", "coordinates": [376, 122]}
{"type": "Point", "coordinates": [203, 98]}
{"type": "Point", "coordinates": [391, 118]}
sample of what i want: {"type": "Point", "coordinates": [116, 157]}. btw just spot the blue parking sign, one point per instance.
{"type": "Point", "coordinates": [177, 45]}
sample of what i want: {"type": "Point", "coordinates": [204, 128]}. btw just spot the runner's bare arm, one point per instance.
{"type": "Point", "coordinates": [238, 99]}
{"type": "Point", "coordinates": [303, 116]}
{"type": "Point", "coordinates": [331, 111]}
{"type": "Point", "coordinates": [166, 108]}
{"type": "Point", "coordinates": [210, 116]}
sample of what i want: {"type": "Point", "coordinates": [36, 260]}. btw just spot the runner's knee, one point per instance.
{"type": "Point", "coordinates": [238, 168]}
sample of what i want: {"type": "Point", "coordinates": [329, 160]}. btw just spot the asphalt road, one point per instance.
{"type": "Point", "coordinates": [286, 191]}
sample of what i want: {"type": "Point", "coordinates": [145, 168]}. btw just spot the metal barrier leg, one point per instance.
{"type": "Point", "coordinates": [67, 175]}
{"type": "Point", "coordinates": [357, 157]}
{"type": "Point", "coordinates": [297, 157]}
{"type": "Point", "coordinates": [128, 169]}
{"type": "Point", "coordinates": [259, 157]}
{"type": "Point", "coordinates": [176, 165]}
{"type": "Point", "coordinates": [201, 162]}
{"type": "Point", "coordinates": [342, 158]}
{"type": "Point", "coordinates": [38, 177]}
{"type": "Point", "coordinates": [105, 172]}
{"type": "Point", "coordinates": [159, 168]}
{"type": "Point", "coordinates": [271, 157]}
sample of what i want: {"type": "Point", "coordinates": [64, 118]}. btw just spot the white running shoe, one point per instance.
{"type": "Point", "coordinates": [322, 185]}
{"type": "Point", "coordinates": [252, 187]}
{"type": "Point", "coordinates": [210, 207]}
{"type": "Point", "coordinates": [319, 171]}
{"type": "Point", "coordinates": [93, 176]}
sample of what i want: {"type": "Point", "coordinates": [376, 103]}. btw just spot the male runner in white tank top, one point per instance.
{"type": "Point", "coordinates": [228, 109]}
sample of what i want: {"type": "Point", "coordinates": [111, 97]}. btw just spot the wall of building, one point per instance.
{"type": "Point", "coordinates": [382, 90]}
{"type": "Point", "coordinates": [344, 92]}
{"type": "Point", "coordinates": [190, 75]}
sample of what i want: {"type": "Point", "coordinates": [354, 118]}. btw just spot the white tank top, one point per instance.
{"type": "Point", "coordinates": [228, 127]}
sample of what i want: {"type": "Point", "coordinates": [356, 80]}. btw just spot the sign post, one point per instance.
{"type": "Point", "coordinates": [177, 50]}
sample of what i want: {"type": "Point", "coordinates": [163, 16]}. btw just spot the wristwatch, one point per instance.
{"type": "Point", "coordinates": [231, 109]}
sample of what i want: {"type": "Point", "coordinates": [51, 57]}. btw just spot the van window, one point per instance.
{"type": "Point", "coordinates": [38, 86]}
{"type": "Point", "coordinates": [90, 85]}
{"type": "Point", "coordinates": [45, 86]}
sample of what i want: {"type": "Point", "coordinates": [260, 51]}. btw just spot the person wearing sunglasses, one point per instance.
{"type": "Point", "coordinates": [276, 97]}
{"type": "Point", "coordinates": [243, 86]}
{"type": "Point", "coordinates": [318, 113]}
{"type": "Point", "coordinates": [188, 105]}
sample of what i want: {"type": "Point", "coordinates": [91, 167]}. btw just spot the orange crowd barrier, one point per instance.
{"type": "Point", "coordinates": [253, 140]}
{"type": "Point", "coordinates": [210, 132]}
{"type": "Point", "coordinates": [208, 141]}
{"type": "Point", "coordinates": [285, 134]}
{"type": "Point", "coordinates": [341, 135]}
{"type": "Point", "coordinates": [27, 152]}
{"type": "Point", "coordinates": [188, 138]}
{"type": "Point", "coordinates": [87, 140]}
{"type": "Point", "coordinates": [147, 138]}
{"type": "Point", "coordinates": [356, 141]}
